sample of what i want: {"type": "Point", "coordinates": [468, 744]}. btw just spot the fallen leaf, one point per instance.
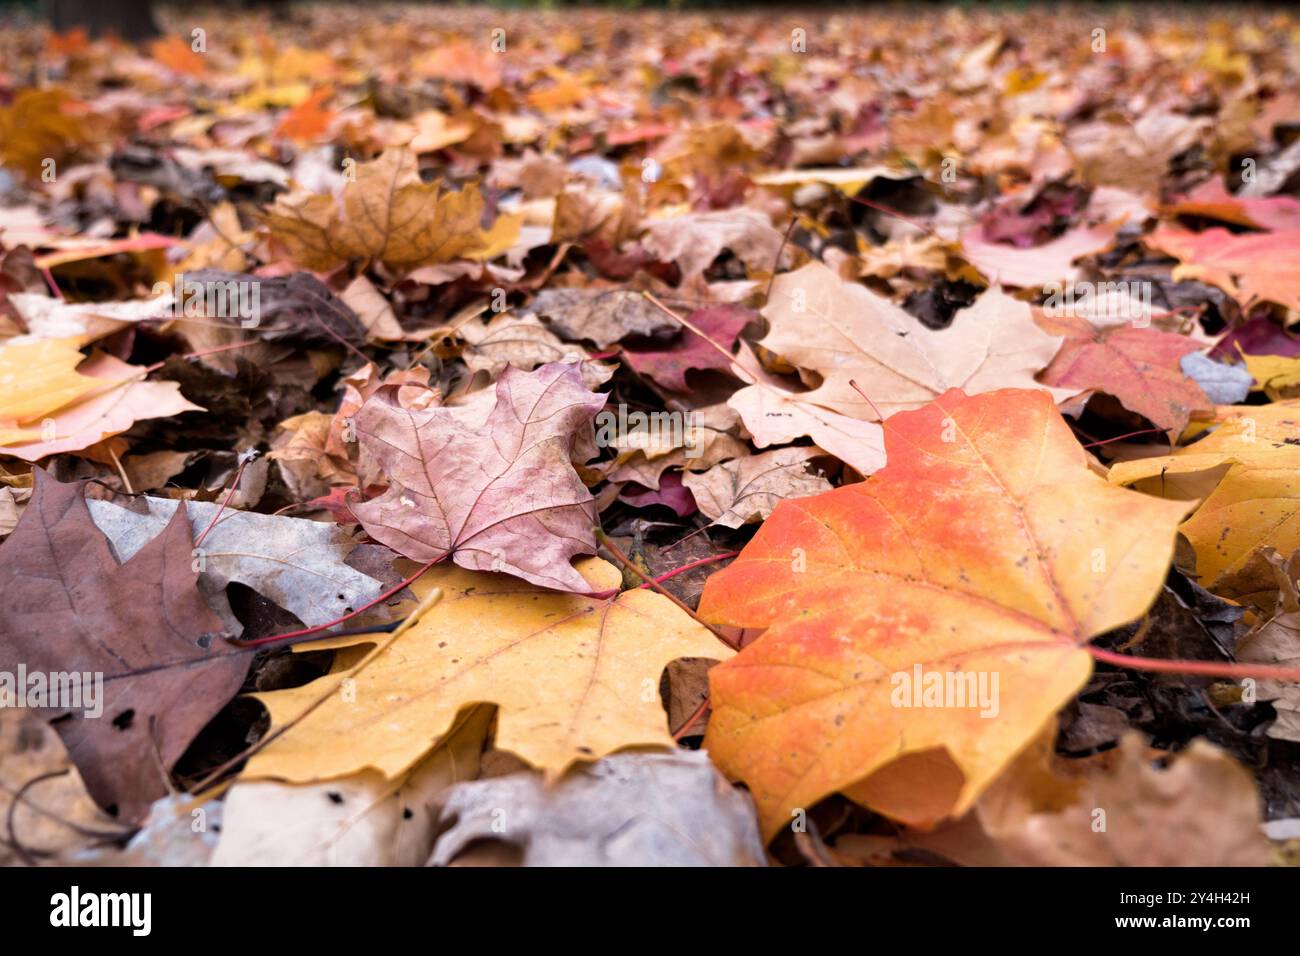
{"type": "Point", "coordinates": [694, 240]}
{"type": "Point", "coordinates": [846, 333]}
{"type": "Point", "coordinates": [1139, 366]}
{"type": "Point", "coordinates": [122, 399]}
{"type": "Point", "coordinates": [360, 820]}
{"type": "Point", "coordinates": [995, 552]}
{"type": "Point", "coordinates": [747, 489]}
{"type": "Point", "coordinates": [294, 562]}
{"type": "Point", "coordinates": [1256, 265]}
{"type": "Point", "coordinates": [574, 678]}
{"type": "Point", "coordinates": [500, 495]}
{"type": "Point", "coordinates": [668, 366]}
{"type": "Point", "coordinates": [525, 343]}
{"type": "Point", "coordinates": [1037, 265]}
{"type": "Point", "coordinates": [69, 606]}
{"type": "Point", "coordinates": [625, 810]}
{"type": "Point", "coordinates": [1203, 809]}
{"type": "Point", "coordinates": [386, 214]}
{"type": "Point", "coordinates": [1256, 500]}
{"type": "Point", "coordinates": [602, 316]}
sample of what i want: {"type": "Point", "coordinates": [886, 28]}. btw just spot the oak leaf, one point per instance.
{"type": "Point", "coordinates": [986, 547]}
{"type": "Point", "coordinates": [495, 495]}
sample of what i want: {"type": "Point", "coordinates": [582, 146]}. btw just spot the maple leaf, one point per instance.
{"type": "Point", "coordinates": [294, 562]}
{"type": "Point", "coordinates": [996, 551]}
{"type": "Point", "coordinates": [695, 240]}
{"type": "Point", "coordinates": [1260, 265]}
{"type": "Point", "coordinates": [69, 606]}
{"type": "Point", "coordinates": [568, 674]}
{"type": "Point", "coordinates": [108, 397]}
{"type": "Point", "coordinates": [846, 333]}
{"type": "Point", "coordinates": [309, 120]}
{"type": "Point", "coordinates": [1257, 499]}
{"type": "Point", "coordinates": [1139, 366]}
{"type": "Point", "coordinates": [668, 366]}
{"type": "Point", "coordinates": [386, 214]}
{"type": "Point", "coordinates": [39, 377]}
{"type": "Point", "coordinates": [747, 489]}
{"type": "Point", "coordinates": [1277, 375]}
{"type": "Point", "coordinates": [1212, 201]}
{"type": "Point", "coordinates": [496, 495]}
{"type": "Point", "coordinates": [775, 415]}
{"type": "Point", "coordinates": [602, 316]}
{"type": "Point", "coordinates": [1037, 265]}
{"type": "Point", "coordinates": [523, 342]}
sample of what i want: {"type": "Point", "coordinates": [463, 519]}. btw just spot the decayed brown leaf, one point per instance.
{"type": "Point", "coordinates": [70, 607]}
{"type": "Point", "coordinates": [385, 215]}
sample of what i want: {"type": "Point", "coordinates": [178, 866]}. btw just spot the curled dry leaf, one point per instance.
{"type": "Point", "coordinates": [1019, 555]}
{"type": "Point", "coordinates": [1276, 640]}
{"type": "Point", "coordinates": [1202, 809]}
{"type": "Point", "coordinates": [497, 495]}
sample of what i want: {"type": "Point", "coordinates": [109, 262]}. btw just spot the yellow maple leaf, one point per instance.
{"type": "Point", "coordinates": [1257, 499]}
{"type": "Point", "coordinates": [575, 678]}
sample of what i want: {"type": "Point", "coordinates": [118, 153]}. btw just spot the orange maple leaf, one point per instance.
{"type": "Point", "coordinates": [982, 556]}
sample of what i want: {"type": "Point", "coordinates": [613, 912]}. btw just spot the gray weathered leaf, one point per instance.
{"type": "Point", "coordinates": [294, 562]}
{"type": "Point", "coordinates": [632, 809]}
